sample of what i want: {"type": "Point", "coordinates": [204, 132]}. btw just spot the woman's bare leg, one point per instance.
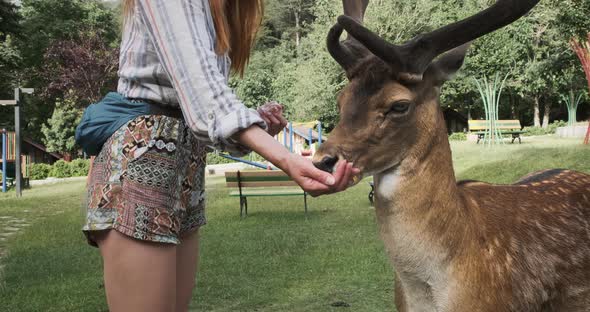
{"type": "Point", "coordinates": [187, 259]}
{"type": "Point", "coordinates": [139, 276]}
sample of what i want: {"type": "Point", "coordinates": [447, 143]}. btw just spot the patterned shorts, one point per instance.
{"type": "Point", "coordinates": [148, 182]}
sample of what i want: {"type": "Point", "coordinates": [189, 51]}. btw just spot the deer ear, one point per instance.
{"type": "Point", "coordinates": [445, 66]}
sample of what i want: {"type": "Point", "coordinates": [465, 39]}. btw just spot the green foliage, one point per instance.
{"type": "Point", "coordinates": [61, 127]}
{"type": "Point", "coordinates": [534, 50]}
{"type": "Point", "coordinates": [25, 34]}
{"type": "Point", "coordinates": [60, 169]}
{"type": "Point", "coordinates": [79, 167]}
{"type": "Point", "coordinates": [551, 129]}
{"type": "Point", "coordinates": [48, 20]}
{"type": "Point", "coordinates": [214, 159]}
{"type": "Point", "coordinates": [554, 125]}
{"type": "Point", "coordinates": [39, 171]}
{"type": "Point", "coordinates": [458, 136]}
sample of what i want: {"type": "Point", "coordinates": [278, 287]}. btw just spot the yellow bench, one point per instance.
{"type": "Point", "coordinates": [260, 183]}
{"type": "Point", "coordinates": [507, 127]}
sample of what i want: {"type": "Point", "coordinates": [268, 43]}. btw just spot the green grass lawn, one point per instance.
{"type": "Point", "coordinates": [277, 259]}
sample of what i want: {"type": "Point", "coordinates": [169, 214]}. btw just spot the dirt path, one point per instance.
{"type": "Point", "coordinates": [9, 226]}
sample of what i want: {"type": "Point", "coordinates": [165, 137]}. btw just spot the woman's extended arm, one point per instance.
{"type": "Point", "coordinates": [311, 179]}
{"type": "Point", "coordinates": [181, 34]}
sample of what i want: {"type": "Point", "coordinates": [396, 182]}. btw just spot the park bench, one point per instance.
{"type": "Point", "coordinates": [506, 127]}
{"type": "Point", "coordinates": [261, 183]}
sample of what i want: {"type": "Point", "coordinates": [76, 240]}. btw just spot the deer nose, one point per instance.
{"type": "Point", "coordinates": [327, 163]}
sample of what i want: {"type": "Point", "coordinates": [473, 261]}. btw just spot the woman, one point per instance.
{"type": "Point", "coordinates": [146, 190]}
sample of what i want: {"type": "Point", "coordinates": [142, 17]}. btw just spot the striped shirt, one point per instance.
{"type": "Point", "coordinates": [168, 56]}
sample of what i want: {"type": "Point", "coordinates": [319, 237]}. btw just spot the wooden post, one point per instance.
{"type": "Point", "coordinates": [4, 159]}
{"type": "Point", "coordinates": [17, 158]}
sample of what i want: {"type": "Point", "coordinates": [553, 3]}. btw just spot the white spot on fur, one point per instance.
{"type": "Point", "coordinates": [386, 183]}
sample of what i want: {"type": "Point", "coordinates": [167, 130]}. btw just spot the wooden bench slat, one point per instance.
{"type": "Point", "coordinates": [250, 192]}
{"type": "Point", "coordinates": [256, 173]}
{"type": "Point", "coordinates": [500, 124]}
{"type": "Point", "coordinates": [262, 184]}
{"type": "Point", "coordinates": [258, 179]}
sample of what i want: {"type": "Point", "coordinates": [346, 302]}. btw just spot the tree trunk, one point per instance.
{"type": "Point", "coordinates": [513, 113]}
{"type": "Point", "coordinates": [536, 117]}
{"type": "Point", "coordinates": [297, 30]}
{"type": "Point", "coordinates": [546, 113]}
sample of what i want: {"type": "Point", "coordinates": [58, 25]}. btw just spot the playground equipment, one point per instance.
{"type": "Point", "coordinates": [572, 102]}
{"type": "Point", "coordinates": [295, 134]}
{"type": "Point", "coordinates": [17, 146]}
{"type": "Point", "coordinates": [490, 94]}
{"type": "Point", "coordinates": [8, 157]}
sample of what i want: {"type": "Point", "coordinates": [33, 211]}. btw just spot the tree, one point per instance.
{"type": "Point", "coordinates": [61, 127]}
{"type": "Point", "coordinates": [46, 21]}
{"type": "Point", "coordinates": [84, 68]}
{"type": "Point", "coordinates": [288, 19]}
{"type": "Point", "coordinates": [10, 58]}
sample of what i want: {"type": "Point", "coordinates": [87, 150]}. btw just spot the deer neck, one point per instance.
{"type": "Point", "coordinates": [417, 203]}
{"type": "Point", "coordinates": [422, 183]}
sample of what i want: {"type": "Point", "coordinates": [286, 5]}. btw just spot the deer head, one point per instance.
{"type": "Point", "coordinates": [389, 111]}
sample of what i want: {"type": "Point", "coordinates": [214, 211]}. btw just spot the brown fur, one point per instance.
{"type": "Point", "coordinates": [468, 246]}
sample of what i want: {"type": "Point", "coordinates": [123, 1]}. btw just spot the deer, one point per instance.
{"type": "Point", "coordinates": [454, 246]}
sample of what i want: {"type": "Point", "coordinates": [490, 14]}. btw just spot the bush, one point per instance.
{"type": "Point", "coordinates": [532, 131]}
{"type": "Point", "coordinates": [79, 167]}
{"type": "Point", "coordinates": [60, 169]}
{"type": "Point", "coordinates": [553, 126]}
{"type": "Point", "coordinates": [214, 159]}
{"type": "Point", "coordinates": [551, 129]}
{"type": "Point", "coordinates": [458, 136]}
{"type": "Point", "coordinates": [39, 171]}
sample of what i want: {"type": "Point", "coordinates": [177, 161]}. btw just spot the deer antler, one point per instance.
{"type": "Point", "coordinates": [348, 52]}
{"type": "Point", "coordinates": [413, 57]}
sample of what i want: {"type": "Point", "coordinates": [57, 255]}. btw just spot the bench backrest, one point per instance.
{"type": "Point", "coordinates": [258, 178]}
{"type": "Point", "coordinates": [501, 124]}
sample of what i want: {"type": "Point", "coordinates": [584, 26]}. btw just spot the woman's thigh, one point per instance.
{"type": "Point", "coordinates": [139, 275]}
{"type": "Point", "coordinates": [187, 259]}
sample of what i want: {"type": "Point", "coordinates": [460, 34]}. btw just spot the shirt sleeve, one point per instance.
{"type": "Point", "coordinates": [183, 36]}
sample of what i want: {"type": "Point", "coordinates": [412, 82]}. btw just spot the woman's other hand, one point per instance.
{"type": "Point", "coordinates": [272, 114]}
{"type": "Point", "coordinates": [317, 182]}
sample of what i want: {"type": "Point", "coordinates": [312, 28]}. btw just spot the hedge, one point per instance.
{"type": "Point", "coordinates": [458, 136]}
{"type": "Point", "coordinates": [60, 169]}
{"type": "Point", "coordinates": [551, 129]}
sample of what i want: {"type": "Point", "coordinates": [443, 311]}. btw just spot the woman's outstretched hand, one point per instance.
{"type": "Point", "coordinates": [317, 182]}
{"type": "Point", "coordinates": [311, 179]}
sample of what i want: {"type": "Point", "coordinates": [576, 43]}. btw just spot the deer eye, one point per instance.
{"type": "Point", "coordinates": [400, 107]}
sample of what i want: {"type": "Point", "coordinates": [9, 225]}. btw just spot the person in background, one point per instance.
{"type": "Point", "coordinates": [146, 192]}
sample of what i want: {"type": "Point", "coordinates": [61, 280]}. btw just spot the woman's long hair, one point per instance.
{"type": "Point", "coordinates": [236, 24]}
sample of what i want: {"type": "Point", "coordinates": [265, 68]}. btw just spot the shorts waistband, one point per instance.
{"type": "Point", "coordinates": [156, 108]}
